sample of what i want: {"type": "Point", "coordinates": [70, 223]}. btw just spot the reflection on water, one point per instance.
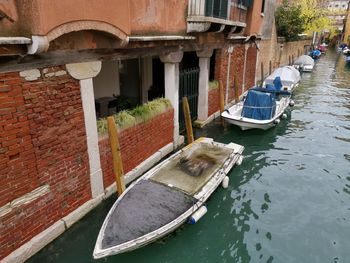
{"type": "Point", "coordinates": [288, 202]}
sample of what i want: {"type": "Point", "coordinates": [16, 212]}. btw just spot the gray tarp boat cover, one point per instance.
{"type": "Point", "coordinates": [288, 74]}
{"type": "Point", "coordinates": [304, 60]}
{"type": "Point", "coordinates": [146, 207]}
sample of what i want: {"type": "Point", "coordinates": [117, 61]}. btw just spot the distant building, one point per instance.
{"type": "Point", "coordinates": [337, 11]}
{"type": "Point", "coordinates": [346, 30]}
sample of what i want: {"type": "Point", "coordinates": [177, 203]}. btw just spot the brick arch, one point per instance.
{"type": "Point", "coordinates": [81, 25]}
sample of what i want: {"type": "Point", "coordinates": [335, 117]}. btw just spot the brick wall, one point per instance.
{"type": "Point", "coordinates": [236, 69]}
{"type": "Point", "coordinates": [213, 101]}
{"type": "Point", "coordinates": [250, 67]}
{"type": "Point", "coordinates": [42, 142]}
{"type": "Point", "coordinates": [278, 53]}
{"type": "Point", "coordinates": [137, 144]}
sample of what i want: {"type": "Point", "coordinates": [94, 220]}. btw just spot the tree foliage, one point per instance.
{"type": "Point", "coordinates": [303, 16]}
{"type": "Point", "coordinates": [289, 21]}
{"type": "Point", "coordinates": [315, 18]}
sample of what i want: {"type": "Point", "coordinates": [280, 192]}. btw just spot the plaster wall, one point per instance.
{"type": "Point", "coordinates": [39, 17]}
{"type": "Point", "coordinates": [158, 16]}
{"type": "Point", "coordinates": [106, 83]}
{"type": "Point", "coordinates": [255, 19]}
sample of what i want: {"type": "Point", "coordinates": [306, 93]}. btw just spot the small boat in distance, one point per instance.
{"type": "Point", "coordinates": [259, 109]}
{"type": "Point", "coordinates": [289, 76]}
{"type": "Point", "coordinates": [315, 54]}
{"type": "Point", "coordinates": [304, 63]}
{"type": "Point", "coordinates": [166, 196]}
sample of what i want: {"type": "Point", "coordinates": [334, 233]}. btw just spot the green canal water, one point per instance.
{"type": "Point", "coordinates": [288, 202]}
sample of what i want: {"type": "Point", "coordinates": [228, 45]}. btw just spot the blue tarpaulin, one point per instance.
{"type": "Point", "coordinates": [259, 105]}
{"type": "Point", "coordinates": [315, 54]}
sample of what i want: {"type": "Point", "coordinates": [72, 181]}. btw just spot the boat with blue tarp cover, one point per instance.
{"type": "Point", "coordinates": [285, 78]}
{"type": "Point", "coordinates": [315, 54]}
{"type": "Point", "coordinates": [261, 108]}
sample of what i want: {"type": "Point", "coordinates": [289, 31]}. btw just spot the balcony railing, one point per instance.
{"type": "Point", "coordinates": [203, 14]}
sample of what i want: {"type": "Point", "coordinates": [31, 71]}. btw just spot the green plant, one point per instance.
{"type": "Point", "coordinates": [142, 113]}
{"type": "Point", "coordinates": [289, 21]}
{"type": "Point", "coordinates": [214, 84]}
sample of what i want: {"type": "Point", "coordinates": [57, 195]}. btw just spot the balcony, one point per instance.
{"type": "Point", "coordinates": [217, 15]}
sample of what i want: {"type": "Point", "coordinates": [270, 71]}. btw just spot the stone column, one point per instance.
{"type": "Point", "coordinates": [84, 72]}
{"type": "Point", "coordinates": [203, 85]}
{"type": "Point", "coordinates": [171, 82]}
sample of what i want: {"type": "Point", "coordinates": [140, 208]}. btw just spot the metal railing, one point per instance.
{"type": "Point", "coordinates": [223, 9]}
{"type": "Point", "coordinates": [189, 80]}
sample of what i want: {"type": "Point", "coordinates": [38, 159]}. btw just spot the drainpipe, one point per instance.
{"type": "Point", "coordinates": [35, 45]}
{"type": "Point", "coordinates": [15, 41]}
{"type": "Point", "coordinates": [229, 53]}
{"type": "Point", "coordinates": [39, 44]}
{"type": "Point", "coordinates": [160, 38]}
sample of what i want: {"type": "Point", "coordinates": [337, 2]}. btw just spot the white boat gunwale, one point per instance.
{"type": "Point", "coordinates": [248, 123]}
{"type": "Point", "coordinates": [201, 196]}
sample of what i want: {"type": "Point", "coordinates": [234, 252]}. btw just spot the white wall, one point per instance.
{"type": "Point", "coordinates": [107, 82]}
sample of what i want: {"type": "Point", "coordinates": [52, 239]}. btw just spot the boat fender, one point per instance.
{"type": "Point", "coordinates": [240, 160]}
{"type": "Point", "coordinates": [225, 182]}
{"type": "Point", "coordinates": [284, 116]}
{"type": "Point", "coordinates": [291, 103]}
{"type": "Point", "coordinates": [197, 215]}
{"type": "Point", "coordinates": [277, 121]}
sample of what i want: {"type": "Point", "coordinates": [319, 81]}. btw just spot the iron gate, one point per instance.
{"type": "Point", "coordinates": [188, 88]}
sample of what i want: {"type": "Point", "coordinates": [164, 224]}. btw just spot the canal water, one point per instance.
{"type": "Point", "coordinates": [288, 202]}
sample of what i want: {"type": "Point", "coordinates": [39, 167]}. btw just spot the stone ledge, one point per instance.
{"type": "Point", "coordinates": [35, 244]}
{"type": "Point", "coordinates": [24, 199]}
{"type": "Point", "coordinates": [81, 211]}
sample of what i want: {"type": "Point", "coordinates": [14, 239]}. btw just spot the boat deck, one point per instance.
{"type": "Point", "coordinates": [146, 207]}
{"type": "Point", "coordinates": [191, 171]}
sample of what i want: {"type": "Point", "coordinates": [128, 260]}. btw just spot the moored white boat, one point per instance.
{"type": "Point", "coordinates": [289, 77]}
{"type": "Point", "coordinates": [257, 116]}
{"type": "Point", "coordinates": [166, 196]}
{"type": "Point", "coordinates": [304, 63]}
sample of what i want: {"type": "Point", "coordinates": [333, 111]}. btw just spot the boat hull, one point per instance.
{"type": "Point", "coordinates": [233, 116]}
{"type": "Point", "coordinates": [155, 175]}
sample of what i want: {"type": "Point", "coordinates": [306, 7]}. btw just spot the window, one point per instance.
{"type": "Point", "coordinates": [263, 6]}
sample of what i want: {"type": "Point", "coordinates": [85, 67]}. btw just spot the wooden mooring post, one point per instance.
{"type": "Point", "coordinates": [262, 73]}
{"type": "Point", "coordinates": [222, 100]}
{"type": "Point", "coordinates": [117, 159]}
{"type": "Point", "coordinates": [222, 97]}
{"type": "Point", "coordinates": [236, 88]}
{"type": "Point", "coordinates": [270, 67]}
{"type": "Point", "coordinates": [188, 122]}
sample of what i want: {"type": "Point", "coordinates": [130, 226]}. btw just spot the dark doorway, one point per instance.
{"type": "Point", "coordinates": [157, 90]}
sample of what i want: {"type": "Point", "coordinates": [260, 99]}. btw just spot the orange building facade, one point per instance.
{"type": "Point", "coordinates": [65, 64]}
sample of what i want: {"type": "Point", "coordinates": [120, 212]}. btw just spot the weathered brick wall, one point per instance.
{"type": "Point", "coordinates": [278, 54]}
{"type": "Point", "coordinates": [236, 70]}
{"type": "Point", "coordinates": [42, 142]}
{"type": "Point", "coordinates": [250, 67]}
{"type": "Point", "coordinates": [137, 144]}
{"type": "Point", "coordinates": [213, 101]}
